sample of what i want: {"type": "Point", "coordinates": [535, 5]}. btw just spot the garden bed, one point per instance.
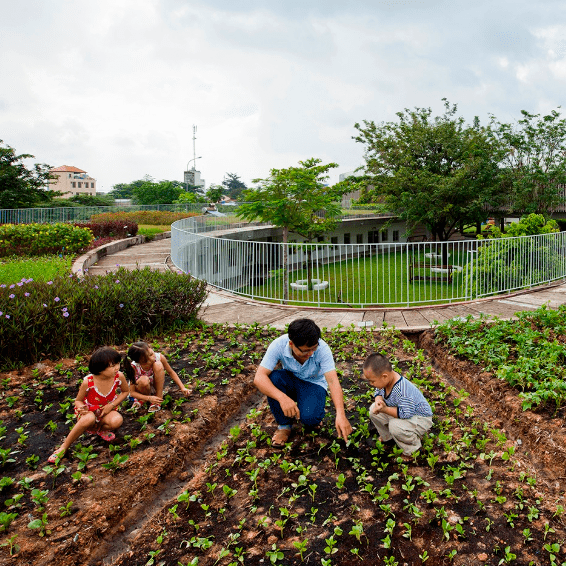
{"type": "Point", "coordinates": [201, 484]}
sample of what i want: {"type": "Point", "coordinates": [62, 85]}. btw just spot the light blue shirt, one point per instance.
{"type": "Point", "coordinates": [312, 370]}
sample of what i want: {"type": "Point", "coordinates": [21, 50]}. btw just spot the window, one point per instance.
{"type": "Point", "coordinates": [373, 237]}
{"type": "Point", "coordinates": [395, 235]}
{"type": "Point", "coordinates": [92, 185]}
{"type": "Point", "coordinates": [334, 240]}
{"type": "Point", "coordinates": [384, 235]}
{"type": "Point", "coordinates": [359, 238]}
{"type": "Point", "coordinates": [79, 185]}
{"type": "Point", "coordinates": [73, 184]}
{"type": "Point", "coordinates": [320, 239]}
{"type": "Point", "coordinates": [69, 175]}
{"type": "Point", "coordinates": [347, 238]}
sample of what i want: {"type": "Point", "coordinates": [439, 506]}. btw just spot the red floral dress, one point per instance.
{"type": "Point", "coordinates": [94, 400]}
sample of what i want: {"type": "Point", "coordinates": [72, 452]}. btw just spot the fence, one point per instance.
{"type": "Point", "coordinates": [362, 275]}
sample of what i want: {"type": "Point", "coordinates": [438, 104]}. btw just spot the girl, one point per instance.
{"type": "Point", "coordinates": [97, 401]}
{"type": "Point", "coordinates": [145, 370]}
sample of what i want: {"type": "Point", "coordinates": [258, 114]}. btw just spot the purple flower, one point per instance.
{"type": "Point", "coordinates": [12, 286]}
{"type": "Point", "coordinates": [7, 316]}
{"type": "Point", "coordinates": [30, 280]}
{"type": "Point", "coordinates": [65, 314]}
{"type": "Point", "coordinates": [44, 305]}
{"type": "Point", "coordinates": [3, 285]}
{"type": "Point", "coordinates": [117, 281]}
{"type": "Point", "coordinates": [1, 313]}
{"type": "Point", "coordinates": [20, 284]}
{"type": "Point", "coordinates": [11, 296]}
{"type": "Point", "coordinates": [26, 294]}
{"type": "Point", "coordinates": [56, 299]}
{"type": "Point", "coordinates": [65, 309]}
{"type": "Point", "coordinates": [121, 305]}
{"type": "Point", "coordinates": [96, 286]}
{"type": "Point", "coordinates": [50, 282]}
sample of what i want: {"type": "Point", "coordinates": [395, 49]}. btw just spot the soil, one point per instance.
{"type": "Point", "coordinates": [202, 485]}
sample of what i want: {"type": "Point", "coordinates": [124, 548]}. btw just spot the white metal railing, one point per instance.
{"type": "Point", "coordinates": [363, 274]}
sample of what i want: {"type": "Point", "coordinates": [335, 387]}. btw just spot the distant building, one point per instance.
{"type": "Point", "coordinates": [192, 177]}
{"type": "Point", "coordinates": [354, 195]}
{"type": "Point", "coordinates": [72, 181]}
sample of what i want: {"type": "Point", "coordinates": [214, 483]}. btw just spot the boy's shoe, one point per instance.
{"type": "Point", "coordinates": [281, 437]}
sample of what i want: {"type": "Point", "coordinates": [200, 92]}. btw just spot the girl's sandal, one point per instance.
{"type": "Point", "coordinates": [59, 453]}
{"type": "Point", "coordinates": [154, 408]}
{"type": "Point", "coordinates": [106, 435]}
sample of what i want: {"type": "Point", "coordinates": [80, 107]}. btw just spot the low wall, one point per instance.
{"type": "Point", "coordinates": [83, 262]}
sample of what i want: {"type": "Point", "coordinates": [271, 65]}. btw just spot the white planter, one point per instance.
{"type": "Point", "coordinates": [303, 285]}
{"type": "Point", "coordinates": [430, 255]}
{"type": "Point", "coordinates": [455, 268]}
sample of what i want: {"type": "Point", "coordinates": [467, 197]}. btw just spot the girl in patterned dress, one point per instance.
{"type": "Point", "coordinates": [98, 399]}
{"type": "Point", "coordinates": [145, 370]}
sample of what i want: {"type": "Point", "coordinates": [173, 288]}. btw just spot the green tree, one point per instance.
{"type": "Point", "coordinates": [435, 171]}
{"type": "Point", "coordinates": [151, 192]}
{"type": "Point", "coordinates": [21, 187]}
{"type": "Point", "coordinates": [125, 190]}
{"type": "Point", "coordinates": [234, 187]}
{"type": "Point", "coordinates": [214, 193]}
{"type": "Point", "coordinates": [189, 197]}
{"type": "Point", "coordinates": [297, 200]}
{"type": "Point", "coordinates": [506, 259]}
{"type": "Point", "coordinates": [535, 160]}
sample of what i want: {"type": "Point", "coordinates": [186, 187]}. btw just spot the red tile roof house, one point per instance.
{"type": "Point", "coordinates": [72, 181]}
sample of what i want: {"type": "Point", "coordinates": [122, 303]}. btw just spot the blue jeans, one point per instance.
{"type": "Point", "coordinates": [310, 398]}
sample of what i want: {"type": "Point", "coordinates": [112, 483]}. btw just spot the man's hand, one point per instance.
{"type": "Point", "coordinates": [290, 408]}
{"type": "Point", "coordinates": [343, 427]}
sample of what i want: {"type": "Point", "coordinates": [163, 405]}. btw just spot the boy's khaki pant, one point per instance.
{"type": "Point", "coordinates": [407, 433]}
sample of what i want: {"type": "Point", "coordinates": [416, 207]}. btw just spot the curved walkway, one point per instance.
{"type": "Point", "coordinates": [223, 307]}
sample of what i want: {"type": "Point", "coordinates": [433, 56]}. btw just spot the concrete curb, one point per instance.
{"type": "Point", "coordinates": [83, 262]}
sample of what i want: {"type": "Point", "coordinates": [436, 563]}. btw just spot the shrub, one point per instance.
{"type": "Point", "coordinates": [70, 315]}
{"type": "Point", "coordinates": [110, 228]}
{"type": "Point", "coordinates": [150, 217]}
{"type": "Point", "coordinates": [42, 239]}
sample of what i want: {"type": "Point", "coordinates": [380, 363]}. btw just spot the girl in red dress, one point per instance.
{"type": "Point", "coordinates": [98, 399]}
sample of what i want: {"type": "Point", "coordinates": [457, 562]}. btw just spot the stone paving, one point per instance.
{"type": "Point", "coordinates": [224, 307]}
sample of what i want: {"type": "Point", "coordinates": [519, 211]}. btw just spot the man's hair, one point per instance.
{"type": "Point", "coordinates": [304, 332]}
{"type": "Point", "coordinates": [103, 358]}
{"type": "Point", "coordinates": [377, 364]}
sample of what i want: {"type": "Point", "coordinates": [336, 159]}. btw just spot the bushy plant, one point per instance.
{"type": "Point", "coordinates": [41, 239]}
{"type": "Point", "coordinates": [69, 315]}
{"type": "Point", "coordinates": [150, 217]}
{"type": "Point", "coordinates": [110, 228]}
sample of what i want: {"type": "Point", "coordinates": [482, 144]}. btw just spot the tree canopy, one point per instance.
{"type": "Point", "coordinates": [233, 185]}
{"type": "Point", "coordinates": [21, 187]}
{"type": "Point", "coordinates": [214, 193]}
{"type": "Point", "coordinates": [152, 192]}
{"type": "Point", "coordinates": [437, 171]}
{"type": "Point", "coordinates": [534, 162]}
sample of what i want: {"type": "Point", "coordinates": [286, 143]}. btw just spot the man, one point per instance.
{"type": "Point", "coordinates": [298, 390]}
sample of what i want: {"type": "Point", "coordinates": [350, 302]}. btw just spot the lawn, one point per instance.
{"type": "Point", "coordinates": [36, 268]}
{"type": "Point", "coordinates": [369, 281]}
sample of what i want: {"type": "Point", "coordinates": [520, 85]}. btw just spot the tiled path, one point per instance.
{"type": "Point", "coordinates": [225, 307]}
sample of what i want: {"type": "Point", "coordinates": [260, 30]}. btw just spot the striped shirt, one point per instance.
{"type": "Point", "coordinates": [408, 399]}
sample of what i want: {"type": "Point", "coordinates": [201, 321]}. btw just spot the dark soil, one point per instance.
{"type": "Point", "coordinates": [203, 485]}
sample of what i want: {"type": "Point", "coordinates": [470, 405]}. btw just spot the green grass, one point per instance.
{"type": "Point", "coordinates": [149, 231]}
{"type": "Point", "coordinates": [36, 268]}
{"type": "Point", "coordinates": [382, 281]}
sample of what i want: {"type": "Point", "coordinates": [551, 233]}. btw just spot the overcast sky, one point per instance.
{"type": "Point", "coordinates": [114, 87]}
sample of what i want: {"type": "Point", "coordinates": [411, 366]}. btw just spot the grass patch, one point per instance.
{"type": "Point", "coordinates": [13, 270]}
{"type": "Point", "coordinates": [150, 231]}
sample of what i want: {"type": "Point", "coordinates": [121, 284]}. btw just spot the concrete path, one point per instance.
{"type": "Point", "coordinates": [223, 307]}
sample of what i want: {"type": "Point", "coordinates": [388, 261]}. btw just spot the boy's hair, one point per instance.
{"type": "Point", "coordinates": [377, 364]}
{"type": "Point", "coordinates": [103, 358]}
{"type": "Point", "coordinates": [138, 352]}
{"type": "Point", "coordinates": [304, 332]}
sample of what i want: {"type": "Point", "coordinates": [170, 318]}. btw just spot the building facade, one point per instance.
{"type": "Point", "coordinates": [72, 181]}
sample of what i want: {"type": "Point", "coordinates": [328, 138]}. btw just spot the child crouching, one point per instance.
{"type": "Point", "coordinates": [400, 411]}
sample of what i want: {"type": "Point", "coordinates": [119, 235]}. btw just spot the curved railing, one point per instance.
{"type": "Point", "coordinates": [226, 255]}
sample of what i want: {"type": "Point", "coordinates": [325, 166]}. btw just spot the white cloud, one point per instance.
{"type": "Point", "coordinates": [115, 87]}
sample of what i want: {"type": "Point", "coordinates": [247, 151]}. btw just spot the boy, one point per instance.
{"type": "Point", "coordinates": [400, 412]}
{"type": "Point", "coordinates": [298, 390]}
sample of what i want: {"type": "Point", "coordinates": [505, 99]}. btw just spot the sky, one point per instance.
{"type": "Point", "coordinates": [115, 87]}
